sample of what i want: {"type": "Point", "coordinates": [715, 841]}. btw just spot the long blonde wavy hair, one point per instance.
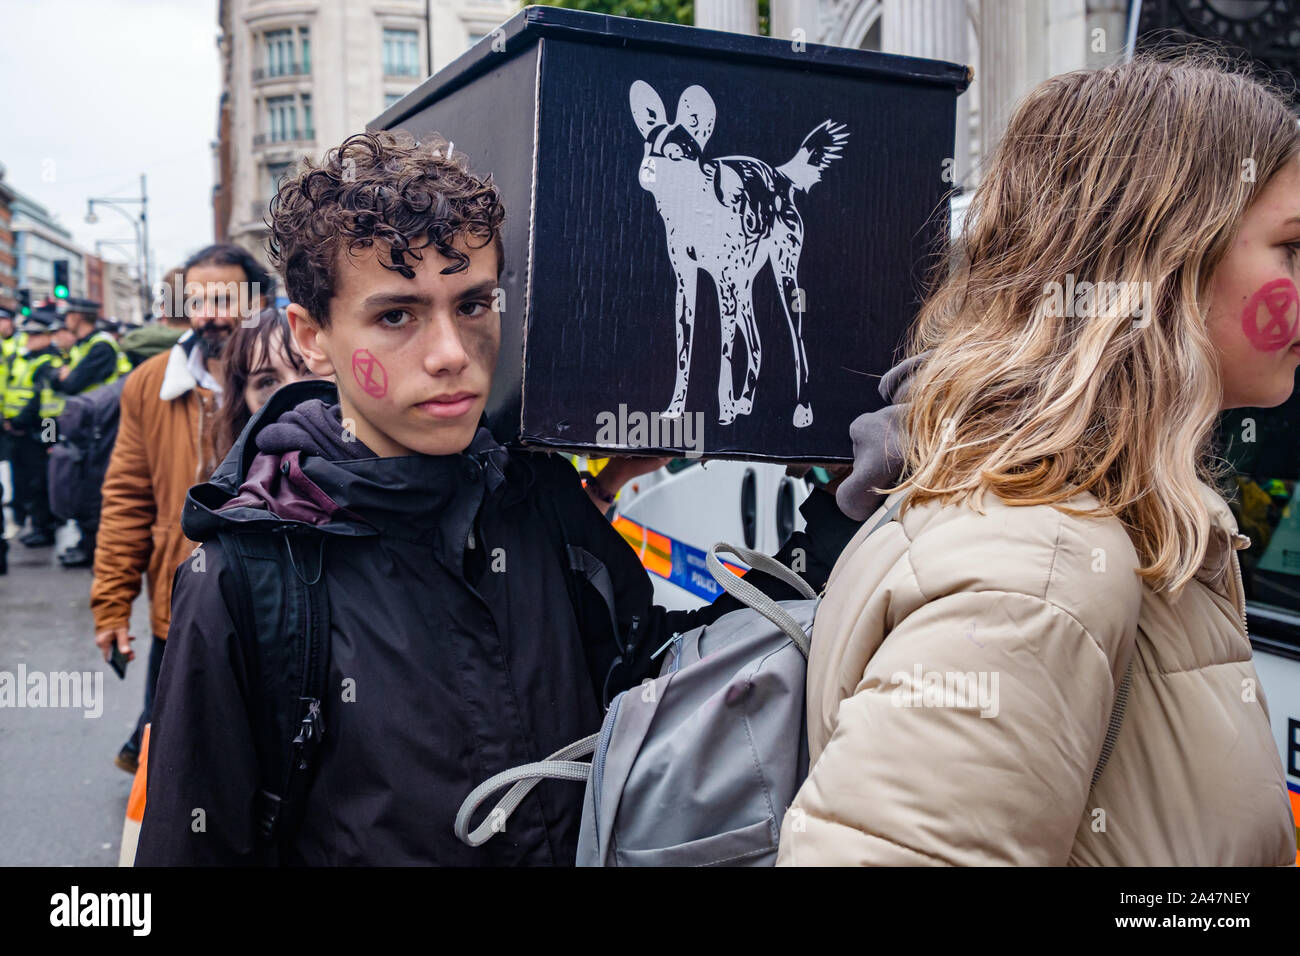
{"type": "Point", "coordinates": [1135, 173]}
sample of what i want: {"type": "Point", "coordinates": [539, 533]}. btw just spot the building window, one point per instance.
{"type": "Point", "coordinates": [391, 98]}
{"type": "Point", "coordinates": [475, 37]}
{"type": "Point", "coordinates": [401, 53]}
{"type": "Point", "coordinates": [275, 173]}
{"type": "Point", "coordinates": [308, 131]}
{"type": "Point", "coordinates": [282, 118]}
{"type": "Point", "coordinates": [281, 57]}
{"type": "Point", "coordinates": [279, 52]}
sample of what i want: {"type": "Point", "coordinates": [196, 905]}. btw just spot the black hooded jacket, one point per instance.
{"type": "Point", "coordinates": [456, 647]}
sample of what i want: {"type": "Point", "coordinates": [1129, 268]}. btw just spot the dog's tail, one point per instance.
{"type": "Point", "coordinates": [820, 148]}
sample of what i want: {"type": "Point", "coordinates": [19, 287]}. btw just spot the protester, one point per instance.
{"type": "Point", "coordinates": [261, 358]}
{"type": "Point", "coordinates": [165, 443]}
{"type": "Point", "coordinates": [1060, 593]}
{"type": "Point", "coordinates": [154, 337]}
{"type": "Point", "coordinates": [93, 360]}
{"type": "Point", "coordinates": [447, 560]}
{"type": "Point", "coordinates": [29, 409]}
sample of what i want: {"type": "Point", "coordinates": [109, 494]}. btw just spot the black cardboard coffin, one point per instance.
{"type": "Point", "coordinates": [799, 189]}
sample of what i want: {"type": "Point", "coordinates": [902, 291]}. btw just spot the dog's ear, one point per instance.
{"type": "Point", "coordinates": [696, 113]}
{"type": "Point", "coordinates": [647, 107]}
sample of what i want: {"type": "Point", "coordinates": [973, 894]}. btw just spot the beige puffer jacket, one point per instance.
{"type": "Point", "coordinates": [913, 765]}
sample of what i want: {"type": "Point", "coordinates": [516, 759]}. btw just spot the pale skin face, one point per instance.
{"type": "Point", "coordinates": [268, 375]}
{"type": "Point", "coordinates": [212, 312]}
{"type": "Point", "coordinates": [1254, 309]}
{"type": "Point", "coordinates": [413, 358]}
{"type": "Point", "coordinates": [79, 324]}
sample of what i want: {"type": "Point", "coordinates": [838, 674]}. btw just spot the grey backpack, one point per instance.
{"type": "Point", "coordinates": [697, 767]}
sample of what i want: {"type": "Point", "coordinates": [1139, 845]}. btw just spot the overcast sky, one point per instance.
{"type": "Point", "coordinates": [95, 92]}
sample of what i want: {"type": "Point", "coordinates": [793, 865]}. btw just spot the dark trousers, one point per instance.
{"type": "Point", "coordinates": [151, 684]}
{"type": "Point", "coordinates": [30, 458]}
{"type": "Point", "coordinates": [89, 530]}
{"type": "Point", "coordinates": [15, 500]}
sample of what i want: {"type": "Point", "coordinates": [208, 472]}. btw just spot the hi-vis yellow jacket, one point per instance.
{"type": "Point", "coordinates": [20, 385]}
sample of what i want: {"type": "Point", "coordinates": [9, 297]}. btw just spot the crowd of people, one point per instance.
{"type": "Point", "coordinates": [46, 358]}
{"type": "Point", "coordinates": [171, 427]}
{"type": "Point", "coordinates": [362, 604]}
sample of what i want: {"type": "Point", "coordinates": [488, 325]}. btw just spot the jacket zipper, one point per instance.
{"type": "Point", "coordinates": [311, 727]}
{"type": "Point", "coordinates": [1241, 595]}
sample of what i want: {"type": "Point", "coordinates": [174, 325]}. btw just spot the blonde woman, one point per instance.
{"type": "Point", "coordinates": [1060, 545]}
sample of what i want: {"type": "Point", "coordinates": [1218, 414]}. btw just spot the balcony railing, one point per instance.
{"type": "Point", "coordinates": [292, 136]}
{"type": "Point", "coordinates": [292, 69]}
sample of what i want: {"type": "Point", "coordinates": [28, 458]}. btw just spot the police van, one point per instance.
{"type": "Point", "coordinates": [671, 516]}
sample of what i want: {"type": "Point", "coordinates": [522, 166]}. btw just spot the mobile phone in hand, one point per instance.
{"type": "Point", "coordinates": [118, 661]}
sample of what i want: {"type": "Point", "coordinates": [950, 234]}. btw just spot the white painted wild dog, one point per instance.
{"type": "Point", "coordinates": [729, 216]}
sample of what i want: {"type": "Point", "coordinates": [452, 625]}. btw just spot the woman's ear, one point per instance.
{"type": "Point", "coordinates": [310, 339]}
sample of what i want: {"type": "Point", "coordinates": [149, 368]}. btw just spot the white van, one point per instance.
{"type": "Point", "coordinates": [673, 515]}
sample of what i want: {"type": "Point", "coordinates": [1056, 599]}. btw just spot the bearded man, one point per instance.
{"type": "Point", "coordinates": [165, 444]}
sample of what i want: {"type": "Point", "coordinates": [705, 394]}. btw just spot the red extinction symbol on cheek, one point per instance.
{"type": "Point", "coordinates": [1269, 319]}
{"type": "Point", "coordinates": [370, 375]}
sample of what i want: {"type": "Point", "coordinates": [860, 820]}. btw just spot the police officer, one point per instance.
{"type": "Point", "coordinates": [30, 406]}
{"type": "Point", "coordinates": [63, 341]}
{"type": "Point", "coordinates": [94, 359]}
{"type": "Point", "coordinates": [10, 341]}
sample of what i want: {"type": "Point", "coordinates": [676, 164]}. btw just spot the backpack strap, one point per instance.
{"type": "Point", "coordinates": [582, 571]}
{"type": "Point", "coordinates": [889, 514]}
{"type": "Point", "coordinates": [752, 597]}
{"type": "Point", "coordinates": [285, 636]}
{"type": "Point", "coordinates": [558, 766]}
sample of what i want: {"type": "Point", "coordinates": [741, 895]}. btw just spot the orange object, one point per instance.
{"type": "Point", "coordinates": [135, 805]}
{"type": "Point", "coordinates": [1294, 794]}
{"type": "Point", "coordinates": [654, 549]}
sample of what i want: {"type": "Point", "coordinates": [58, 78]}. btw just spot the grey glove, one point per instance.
{"type": "Point", "coordinates": [878, 444]}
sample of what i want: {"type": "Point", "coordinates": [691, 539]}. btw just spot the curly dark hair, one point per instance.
{"type": "Point", "coordinates": [378, 187]}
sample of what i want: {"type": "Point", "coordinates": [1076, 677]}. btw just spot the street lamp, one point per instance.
{"type": "Point", "coordinates": [141, 226]}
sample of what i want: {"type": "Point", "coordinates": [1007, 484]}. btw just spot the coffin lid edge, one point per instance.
{"type": "Point", "coordinates": [534, 22]}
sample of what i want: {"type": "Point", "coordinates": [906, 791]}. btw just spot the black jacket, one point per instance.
{"type": "Point", "coordinates": [462, 660]}
{"type": "Point", "coordinates": [95, 367]}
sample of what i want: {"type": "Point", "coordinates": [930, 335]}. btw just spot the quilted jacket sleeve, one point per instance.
{"type": "Point", "coordinates": [962, 679]}
{"type": "Point", "coordinates": [925, 770]}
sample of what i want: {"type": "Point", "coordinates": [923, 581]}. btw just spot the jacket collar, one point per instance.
{"type": "Point", "coordinates": [416, 497]}
{"type": "Point", "coordinates": [1224, 540]}
{"type": "Point", "coordinates": [178, 378]}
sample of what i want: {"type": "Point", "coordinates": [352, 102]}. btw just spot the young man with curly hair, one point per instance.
{"type": "Point", "coordinates": [461, 641]}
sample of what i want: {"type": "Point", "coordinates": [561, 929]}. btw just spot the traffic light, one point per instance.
{"type": "Point", "coordinates": [25, 301]}
{"type": "Point", "coordinates": [60, 278]}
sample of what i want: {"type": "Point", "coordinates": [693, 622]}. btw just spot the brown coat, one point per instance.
{"type": "Point", "coordinates": [155, 461]}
